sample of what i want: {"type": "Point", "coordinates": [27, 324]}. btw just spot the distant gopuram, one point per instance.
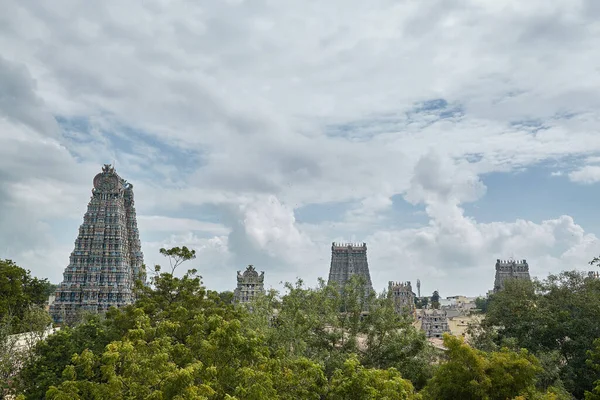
{"type": "Point", "coordinates": [510, 269]}
{"type": "Point", "coordinates": [249, 285]}
{"type": "Point", "coordinates": [434, 323]}
{"type": "Point", "coordinates": [107, 259]}
{"type": "Point", "coordinates": [403, 297]}
{"type": "Point", "coordinates": [349, 259]}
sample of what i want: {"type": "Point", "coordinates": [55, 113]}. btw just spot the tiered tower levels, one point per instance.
{"type": "Point", "coordinates": [249, 285]}
{"type": "Point", "coordinates": [403, 297]}
{"type": "Point", "coordinates": [434, 323]}
{"type": "Point", "coordinates": [510, 269]}
{"type": "Point", "coordinates": [349, 259]}
{"type": "Point", "coordinates": [107, 258]}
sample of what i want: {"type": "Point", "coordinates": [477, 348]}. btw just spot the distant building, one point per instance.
{"type": "Point", "coordinates": [403, 297]}
{"type": "Point", "coordinates": [348, 259]}
{"type": "Point", "coordinates": [107, 258]}
{"type": "Point", "coordinates": [249, 285]}
{"type": "Point", "coordinates": [511, 269]}
{"type": "Point", "coordinates": [434, 323]}
{"type": "Point", "coordinates": [593, 275]}
{"type": "Point", "coordinates": [461, 303]}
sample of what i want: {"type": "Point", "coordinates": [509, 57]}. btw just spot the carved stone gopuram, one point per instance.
{"type": "Point", "coordinates": [348, 259]}
{"type": "Point", "coordinates": [249, 285]}
{"type": "Point", "coordinates": [107, 259]}
{"type": "Point", "coordinates": [510, 269]}
{"type": "Point", "coordinates": [434, 323]}
{"type": "Point", "coordinates": [403, 297]}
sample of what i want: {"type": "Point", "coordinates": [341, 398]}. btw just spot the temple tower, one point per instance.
{"type": "Point", "coordinates": [349, 259]}
{"type": "Point", "coordinates": [434, 323]}
{"type": "Point", "coordinates": [510, 269]}
{"type": "Point", "coordinates": [249, 285]}
{"type": "Point", "coordinates": [107, 259]}
{"type": "Point", "coordinates": [403, 297]}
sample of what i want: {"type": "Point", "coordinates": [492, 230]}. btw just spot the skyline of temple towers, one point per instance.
{"type": "Point", "coordinates": [249, 285]}
{"type": "Point", "coordinates": [510, 269]}
{"type": "Point", "coordinates": [348, 259]}
{"type": "Point", "coordinates": [107, 257]}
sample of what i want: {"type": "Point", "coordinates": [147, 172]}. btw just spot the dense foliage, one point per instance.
{"type": "Point", "coordinates": [182, 341]}
{"type": "Point", "coordinates": [19, 291]}
{"type": "Point", "coordinates": [557, 319]}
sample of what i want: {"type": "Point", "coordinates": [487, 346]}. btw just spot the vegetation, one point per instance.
{"type": "Point", "coordinates": [19, 291]}
{"type": "Point", "coordinates": [179, 340]}
{"type": "Point", "coordinates": [435, 300]}
{"type": "Point", "coordinates": [556, 320]}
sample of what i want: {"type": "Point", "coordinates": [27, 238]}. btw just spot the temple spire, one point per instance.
{"type": "Point", "coordinates": [107, 258]}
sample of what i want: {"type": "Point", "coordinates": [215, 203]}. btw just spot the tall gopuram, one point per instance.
{"type": "Point", "coordinates": [249, 285]}
{"type": "Point", "coordinates": [510, 269]}
{"type": "Point", "coordinates": [107, 259]}
{"type": "Point", "coordinates": [349, 259]}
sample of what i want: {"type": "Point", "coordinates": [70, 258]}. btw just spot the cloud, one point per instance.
{"type": "Point", "coordinates": [251, 112]}
{"type": "Point", "coordinates": [157, 223]}
{"type": "Point", "coordinates": [465, 251]}
{"type": "Point", "coordinates": [586, 175]}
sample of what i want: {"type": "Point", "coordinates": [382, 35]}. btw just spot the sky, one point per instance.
{"type": "Point", "coordinates": [445, 134]}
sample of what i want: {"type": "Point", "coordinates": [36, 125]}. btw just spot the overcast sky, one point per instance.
{"type": "Point", "coordinates": [444, 133]}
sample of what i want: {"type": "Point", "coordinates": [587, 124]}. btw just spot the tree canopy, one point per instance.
{"type": "Point", "coordinates": [19, 291]}
{"type": "Point", "coordinates": [180, 340]}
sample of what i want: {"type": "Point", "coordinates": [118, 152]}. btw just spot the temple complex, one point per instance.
{"type": "Point", "coordinates": [107, 259]}
{"type": "Point", "coordinates": [403, 297]}
{"type": "Point", "coordinates": [434, 323]}
{"type": "Point", "coordinates": [349, 259]}
{"type": "Point", "coordinates": [510, 269]}
{"type": "Point", "coordinates": [249, 285]}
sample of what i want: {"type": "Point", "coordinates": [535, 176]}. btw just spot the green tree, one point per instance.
{"type": "Point", "coordinates": [472, 374]}
{"type": "Point", "coordinates": [435, 300]}
{"type": "Point", "coordinates": [184, 342]}
{"type": "Point", "coordinates": [393, 341]}
{"type": "Point", "coordinates": [51, 356]}
{"type": "Point", "coordinates": [17, 349]}
{"type": "Point", "coordinates": [559, 314]}
{"type": "Point", "coordinates": [354, 381]}
{"type": "Point", "coordinates": [421, 302]}
{"type": "Point", "coordinates": [594, 362]}
{"type": "Point", "coordinates": [19, 291]}
{"type": "Point", "coordinates": [482, 304]}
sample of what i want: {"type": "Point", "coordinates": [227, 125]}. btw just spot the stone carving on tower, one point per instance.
{"type": "Point", "coordinates": [107, 258]}
{"type": "Point", "coordinates": [403, 297]}
{"type": "Point", "coordinates": [510, 269]}
{"type": "Point", "coordinates": [348, 259]}
{"type": "Point", "coordinates": [434, 323]}
{"type": "Point", "coordinates": [249, 285]}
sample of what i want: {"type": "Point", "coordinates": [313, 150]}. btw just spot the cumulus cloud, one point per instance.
{"type": "Point", "coordinates": [464, 252]}
{"type": "Point", "coordinates": [586, 175]}
{"type": "Point", "coordinates": [248, 111]}
{"type": "Point", "coordinates": [154, 223]}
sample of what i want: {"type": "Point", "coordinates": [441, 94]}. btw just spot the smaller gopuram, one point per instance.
{"type": "Point", "coordinates": [511, 269]}
{"type": "Point", "coordinates": [249, 285]}
{"type": "Point", "coordinates": [593, 275]}
{"type": "Point", "coordinates": [403, 297]}
{"type": "Point", "coordinates": [434, 323]}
